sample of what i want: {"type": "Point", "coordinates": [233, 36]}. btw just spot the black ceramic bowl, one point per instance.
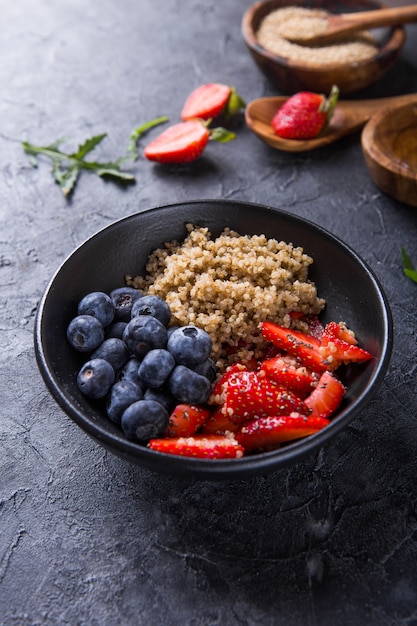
{"type": "Point", "coordinates": [353, 295]}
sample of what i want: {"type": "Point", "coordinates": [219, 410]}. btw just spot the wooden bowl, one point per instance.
{"type": "Point", "coordinates": [389, 143]}
{"type": "Point", "coordinates": [290, 76]}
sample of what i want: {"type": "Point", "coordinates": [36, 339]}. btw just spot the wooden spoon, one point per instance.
{"type": "Point", "coordinates": [340, 25]}
{"type": "Point", "coordinates": [348, 117]}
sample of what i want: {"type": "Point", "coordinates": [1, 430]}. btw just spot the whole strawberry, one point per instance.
{"type": "Point", "coordinates": [305, 114]}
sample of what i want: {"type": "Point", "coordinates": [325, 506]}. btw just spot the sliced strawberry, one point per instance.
{"type": "Point", "coordinates": [267, 433]}
{"type": "Point", "coordinates": [218, 422]}
{"type": "Point", "coordinates": [288, 372]}
{"type": "Point", "coordinates": [207, 101]}
{"type": "Point", "coordinates": [180, 143]}
{"type": "Point", "coordinates": [217, 395]}
{"type": "Point", "coordinates": [305, 347]}
{"type": "Point", "coordinates": [334, 330]}
{"type": "Point", "coordinates": [186, 419]}
{"type": "Point", "coordinates": [339, 346]}
{"type": "Point", "coordinates": [326, 397]}
{"type": "Point", "coordinates": [304, 115]}
{"type": "Point", "coordinates": [252, 394]}
{"type": "Point", "coordinates": [199, 446]}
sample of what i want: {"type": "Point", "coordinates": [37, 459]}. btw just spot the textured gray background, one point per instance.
{"type": "Point", "coordinates": [88, 539]}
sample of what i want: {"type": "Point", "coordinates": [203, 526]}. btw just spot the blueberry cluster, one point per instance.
{"type": "Point", "coordinates": [139, 364]}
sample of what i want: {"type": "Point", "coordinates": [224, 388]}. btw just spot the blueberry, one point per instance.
{"type": "Point", "coordinates": [115, 330]}
{"type": "Point", "coordinates": [155, 367]}
{"type": "Point", "coordinates": [99, 305]}
{"type": "Point", "coordinates": [144, 333]}
{"type": "Point", "coordinates": [189, 387]}
{"type": "Point", "coordinates": [123, 299]}
{"type": "Point", "coordinates": [190, 345]}
{"type": "Point", "coordinates": [122, 395]}
{"type": "Point", "coordinates": [163, 397]}
{"type": "Point", "coordinates": [113, 350]}
{"type": "Point", "coordinates": [208, 369]}
{"type": "Point", "coordinates": [95, 378]}
{"type": "Point", "coordinates": [144, 420]}
{"type": "Point", "coordinates": [130, 372]}
{"type": "Point", "coordinates": [85, 333]}
{"type": "Point", "coordinates": [154, 306]}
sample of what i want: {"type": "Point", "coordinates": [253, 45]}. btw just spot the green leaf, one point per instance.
{"type": "Point", "coordinates": [234, 104]}
{"type": "Point", "coordinates": [221, 134]}
{"type": "Point", "coordinates": [87, 146]}
{"type": "Point", "coordinates": [409, 270]}
{"type": "Point", "coordinates": [132, 151]}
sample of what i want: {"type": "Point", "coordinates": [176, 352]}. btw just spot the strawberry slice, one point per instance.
{"type": "Point", "coordinates": [267, 433]}
{"type": "Point", "coordinates": [334, 330]}
{"type": "Point", "coordinates": [339, 346]}
{"type": "Point", "coordinates": [305, 347]}
{"type": "Point", "coordinates": [326, 397]}
{"type": "Point", "coordinates": [219, 423]}
{"type": "Point", "coordinates": [207, 101]}
{"type": "Point", "coordinates": [184, 142]}
{"type": "Point", "coordinates": [186, 419]}
{"type": "Point", "coordinates": [288, 372]}
{"type": "Point", "coordinates": [252, 394]}
{"type": "Point", "coordinates": [199, 446]}
{"type": "Point", "coordinates": [217, 395]}
{"type": "Point", "coordinates": [210, 100]}
{"type": "Point", "coordinates": [305, 114]}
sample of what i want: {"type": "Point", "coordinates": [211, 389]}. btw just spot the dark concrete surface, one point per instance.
{"type": "Point", "coordinates": [87, 539]}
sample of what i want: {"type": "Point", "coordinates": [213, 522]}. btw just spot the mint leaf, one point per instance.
{"type": "Point", "coordinates": [409, 270]}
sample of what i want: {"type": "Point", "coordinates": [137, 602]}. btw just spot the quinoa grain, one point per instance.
{"type": "Point", "coordinates": [228, 285]}
{"type": "Point", "coordinates": [284, 22]}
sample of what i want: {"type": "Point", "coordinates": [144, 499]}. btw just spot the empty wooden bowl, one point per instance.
{"type": "Point", "coordinates": [291, 76]}
{"type": "Point", "coordinates": [389, 143]}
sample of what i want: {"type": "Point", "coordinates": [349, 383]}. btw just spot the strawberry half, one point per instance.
{"type": "Point", "coordinates": [305, 114]}
{"type": "Point", "coordinates": [288, 372]}
{"type": "Point", "coordinates": [186, 419]}
{"type": "Point", "coordinates": [252, 394]}
{"type": "Point", "coordinates": [199, 446]}
{"type": "Point", "coordinates": [326, 397]}
{"type": "Point", "coordinates": [180, 143]}
{"type": "Point", "coordinates": [267, 433]}
{"type": "Point", "coordinates": [184, 142]}
{"type": "Point", "coordinates": [305, 347]}
{"type": "Point", "coordinates": [210, 100]}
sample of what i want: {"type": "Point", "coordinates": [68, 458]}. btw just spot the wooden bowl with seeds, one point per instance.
{"type": "Point", "coordinates": [352, 64]}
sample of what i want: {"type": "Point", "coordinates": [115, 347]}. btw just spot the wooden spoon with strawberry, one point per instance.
{"type": "Point", "coordinates": [348, 117]}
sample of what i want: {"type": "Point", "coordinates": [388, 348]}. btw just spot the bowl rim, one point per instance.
{"type": "Point", "coordinates": [394, 43]}
{"type": "Point", "coordinates": [376, 151]}
{"type": "Point", "coordinates": [221, 469]}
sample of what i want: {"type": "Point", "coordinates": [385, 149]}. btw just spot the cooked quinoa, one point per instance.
{"type": "Point", "coordinates": [285, 22]}
{"type": "Point", "coordinates": [228, 285]}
